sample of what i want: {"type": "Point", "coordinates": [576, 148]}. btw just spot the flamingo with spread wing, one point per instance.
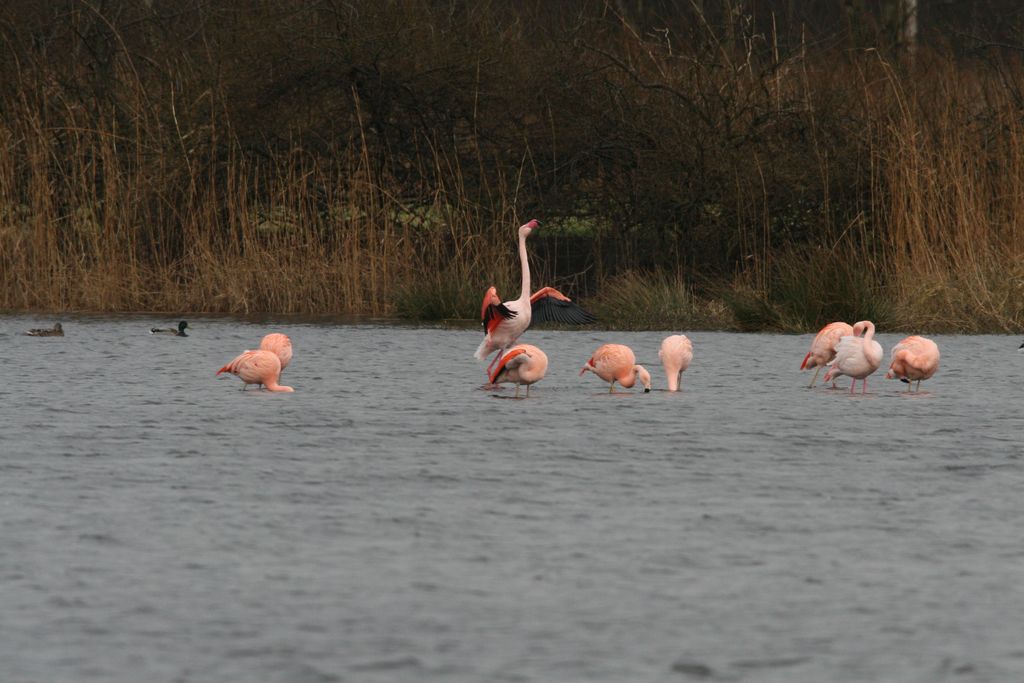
{"type": "Point", "coordinates": [505, 321]}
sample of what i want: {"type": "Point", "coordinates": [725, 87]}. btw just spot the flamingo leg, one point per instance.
{"type": "Point", "coordinates": [611, 387]}
{"type": "Point", "coordinates": [815, 378]}
{"type": "Point", "coordinates": [852, 385]}
{"type": "Point", "coordinates": [517, 391]}
{"type": "Point", "coordinates": [527, 391]}
{"type": "Point", "coordinates": [918, 386]}
{"type": "Point", "coordinates": [864, 385]}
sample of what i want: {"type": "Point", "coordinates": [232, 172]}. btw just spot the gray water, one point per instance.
{"type": "Point", "coordinates": [391, 521]}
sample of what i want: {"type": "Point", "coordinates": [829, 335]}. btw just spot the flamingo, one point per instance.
{"type": "Point", "coordinates": [676, 353]}
{"type": "Point", "coordinates": [257, 367]}
{"type": "Point", "coordinates": [505, 321]}
{"type": "Point", "coordinates": [914, 358]}
{"type": "Point", "coordinates": [55, 331]}
{"type": "Point", "coordinates": [180, 332]}
{"type": "Point", "coordinates": [823, 348]}
{"type": "Point", "coordinates": [617, 363]}
{"type": "Point", "coordinates": [280, 345]}
{"type": "Point", "coordinates": [856, 356]}
{"type": "Point", "coordinates": [522, 364]}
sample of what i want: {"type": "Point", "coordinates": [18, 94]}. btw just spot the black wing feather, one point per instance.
{"type": "Point", "coordinates": [549, 309]}
{"type": "Point", "coordinates": [497, 311]}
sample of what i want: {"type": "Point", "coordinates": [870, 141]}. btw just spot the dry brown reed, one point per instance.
{"type": "Point", "coordinates": [789, 188]}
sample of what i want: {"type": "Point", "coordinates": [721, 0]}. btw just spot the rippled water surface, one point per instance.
{"type": "Point", "coordinates": [391, 521]}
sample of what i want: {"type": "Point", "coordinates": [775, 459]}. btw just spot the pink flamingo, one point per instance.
{"type": "Point", "coordinates": [617, 363]}
{"type": "Point", "coordinates": [823, 348]}
{"type": "Point", "coordinates": [257, 367]}
{"type": "Point", "coordinates": [676, 353]}
{"type": "Point", "coordinates": [522, 364]}
{"type": "Point", "coordinates": [914, 358]}
{"type": "Point", "coordinates": [280, 345]}
{"type": "Point", "coordinates": [857, 357]}
{"type": "Point", "coordinates": [505, 321]}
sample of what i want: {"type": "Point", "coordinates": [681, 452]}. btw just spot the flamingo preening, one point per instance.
{"type": "Point", "coordinates": [823, 348]}
{"type": "Point", "coordinates": [675, 353]}
{"type": "Point", "coordinates": [914, 358]}
{"type": "Point", "coordinates": [617, 363]}
{"type": "Point", "coordinates": [257, 367]}
{"type": "Point", "coordinates": [522, 364]}
{"type": "Point", "coordinates": [856, 356]}
{"type": "Point", "coordinates": [505, 321]}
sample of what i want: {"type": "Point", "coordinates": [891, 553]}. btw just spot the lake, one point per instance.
{"type": "Point", "coordinates": [392, 521]}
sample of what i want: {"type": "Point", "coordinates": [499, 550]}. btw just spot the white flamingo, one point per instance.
{"type": "Point", "coordinates": [505, 321]}
{"type": "Point", "coordinates": [857, 357]}
{"type": "Point", "coordinates": [675, 353]}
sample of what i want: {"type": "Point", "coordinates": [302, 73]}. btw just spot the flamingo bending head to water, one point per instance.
{"type": "Point", "coordinates": [280, 345]}
{"type": "Point", "coordinates": [505, 321]}
{"type": "Point", "coordinates": [522, 364]}
{"type": "Point", "coordinates": [823, 348]}
{"type": "Point", "coordinates": [914, 358]}
{"type": "Point", "coordinates": [257, 367]}
{"type": "Point", "coordinates": [676, 353]}
{"type": "Point", "coordinates": [617, 363]}
{"type": "Point", "coordinates": [856, 356]}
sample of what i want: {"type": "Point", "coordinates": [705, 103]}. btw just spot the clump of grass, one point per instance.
{"type": "Point", "coordinates": [812, 288]}
{"type": "Point", "coordinates": [655, 301]}
{"type": "Point", "coordinates": [809, 289]}
{"type": "Point", "coordinates": [750, 308]}
{"type": "Point", "coordinates": [441, 295]}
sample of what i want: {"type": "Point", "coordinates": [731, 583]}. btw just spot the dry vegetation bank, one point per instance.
{"type": "Point", "coordinates": [727, 169]}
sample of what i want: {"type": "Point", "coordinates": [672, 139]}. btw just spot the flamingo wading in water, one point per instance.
{"type": "Point", "coordinates": [522, 364]}
{"type": "Point", "coordinates": [257, 367]}
{"type": "Point", "coordinates": [914, 358]}
{"type": "Point", "coordinates": [280, 345]}
{"type": "Point", "coordinates": [823, 348]}
{"type": "Point", "coordinates": [856, 356]}
{"type": "Point", "coordinates": [675, 353]}
{"type": "Point", "coordinates": [505, 321]}
{"type": "Point", "coordinates": [617, 363]}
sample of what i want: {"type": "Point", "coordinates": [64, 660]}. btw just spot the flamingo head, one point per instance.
{"type": "Point", "coordinates": [644, 377]}
{"type": "Point", "coordinates": [526, 229]}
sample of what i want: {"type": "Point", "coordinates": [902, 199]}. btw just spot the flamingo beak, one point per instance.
{"type": "Point", "coordinates": [647, 390]}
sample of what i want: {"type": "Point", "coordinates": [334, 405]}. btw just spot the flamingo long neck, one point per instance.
{"type": "Point", "coordinates": [673, 380]}
{"type": "Point", "coordinates": [869, 332]}
{"type": "Point", "coordinates": [524, 293]}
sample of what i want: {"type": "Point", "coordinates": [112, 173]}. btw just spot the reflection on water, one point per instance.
{"type": "Point", "coordinates": [390, 521]}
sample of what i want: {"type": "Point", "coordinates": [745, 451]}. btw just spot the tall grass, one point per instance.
{"type": "Point", "coordinates": [381, 168]}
